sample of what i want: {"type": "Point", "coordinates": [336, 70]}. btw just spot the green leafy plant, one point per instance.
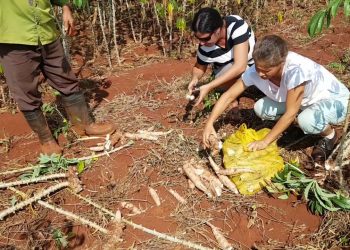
{"type": "Point", "coordinates": [338, 66]}
{"type": "Point", "coordinates": [61, 239]}
{"type": "Point", "coordinates": [320, 200]}
{"type": "Point", "coordinates": [325, 15]}
{"type": "Point", "coordinates": [50, 109]}
{"type": "Point", "coordinates": [52, 164]}
{"type": "Point", "coordinates": [210, 100]}
{"type": "Point", "coordinates": [80, 3]}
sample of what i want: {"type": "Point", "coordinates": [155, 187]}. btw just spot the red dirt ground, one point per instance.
{"type": "Point", "coordinates": [275, 220]}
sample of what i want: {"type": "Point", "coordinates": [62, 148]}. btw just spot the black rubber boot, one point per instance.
{"type": "Point", "coordinates": [77, 109]}
{"type": "Point", "coordinates": [38, 124]}
{"type": "Point", "coordinates": [78, 114]}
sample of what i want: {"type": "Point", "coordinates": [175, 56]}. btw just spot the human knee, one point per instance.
{"type": "Point", "coordinates": [309, 125]}
{"type": "Point", "coordinates": [266, 110]}
{"type": "Point", "coordinates": [258, 108]}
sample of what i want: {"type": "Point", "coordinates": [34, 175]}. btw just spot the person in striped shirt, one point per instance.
{"type": "Point", "coordinates": [226, 43]}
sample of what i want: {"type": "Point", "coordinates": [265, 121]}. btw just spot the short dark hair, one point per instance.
{"type": "Point", "coordinates": [270, 50]}
{"type": "Point", "coordinates": [206, 20]}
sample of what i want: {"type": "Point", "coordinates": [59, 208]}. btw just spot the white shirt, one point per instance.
{"type": "Point", "coordinates": [319, 82]}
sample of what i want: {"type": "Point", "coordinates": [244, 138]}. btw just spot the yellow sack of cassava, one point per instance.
{"type": "Point", "coordinates": [263, 163]}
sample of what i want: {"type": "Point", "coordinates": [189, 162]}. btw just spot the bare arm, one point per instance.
{"type": "Point", "coordinates": [240, 57]}
{"type": "Point", "coordinates": [197, 73]}
{"type": "Point", "coordinates": [228, 97]}
{"type": "Point", "coordinates": [240, 52]}
{"type": "Point", "coordinates": [293, 103]}
{"type": "Point", "coordinates": [68, 21]}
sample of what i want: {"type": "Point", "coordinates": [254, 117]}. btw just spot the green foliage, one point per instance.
{"type": "Point", "coordinates": [181, 24]}
{"type": "Point", "coordinates": [51, 164]}
{"type": "Point", "coordinates": [210, 100]}
{"type": "Point", "coordinates": [80, 4]}
{"type": "Point", "coordinates": [320, 200]}
{"type": "Point", "coordinates": [160, 10]}
{"type": "Point", "coordinates": [49, 109]}
{"type": "Point", "coordinates": [13, 200]}
{"type": "Point", "coordinates": [338, 66]}
{"type": "Point", "coordinates": [317, 21]}
{"type": "Point", "coordinates": [1, 70]}
{"type": "Point", "coordinates": [61, 239]}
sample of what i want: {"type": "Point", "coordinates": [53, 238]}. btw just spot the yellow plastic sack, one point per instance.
{"type": "Point", "coordinates": [264, 163]}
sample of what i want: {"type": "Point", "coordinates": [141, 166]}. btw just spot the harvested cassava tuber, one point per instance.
{"type": "Point", "coordinates": [235, 171]}
{"type": "Point", "coordinates": [154, 196]}
{"type": "Point", "coordinates": [223, 178]}
{"type": "Point", "coordinates": [191, 184]}
{"type": "Point", "coordinates": [220, 238]}
{"type": "Point", "coordinates": [215, 145]}
{"type": "Point", "coordinates": [213, 183]}
{"type": "Point", "coordinates": [189, 171]}
{"type": "Point", "coordinates": [178, 197]}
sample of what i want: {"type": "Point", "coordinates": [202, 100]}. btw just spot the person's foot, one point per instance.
{"type": "Point", "coordinates": [323, 148]}
{"type": "Point", "coordinates": [99, 129]}
{"type": "Point", "coordinates": [50, 147]}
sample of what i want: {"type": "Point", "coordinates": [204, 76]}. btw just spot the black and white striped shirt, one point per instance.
{"type": "Point", "coordinates": [238, 31]}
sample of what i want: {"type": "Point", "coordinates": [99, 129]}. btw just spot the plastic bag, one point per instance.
{"type": "Point", "coordinates": [263, 163]}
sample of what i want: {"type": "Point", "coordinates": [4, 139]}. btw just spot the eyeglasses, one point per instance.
{"type": "Point", "coordinates": [204, 39]}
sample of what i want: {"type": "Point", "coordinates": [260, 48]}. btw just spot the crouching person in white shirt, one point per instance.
{"type": "Point", "coordinates": [295, 87]}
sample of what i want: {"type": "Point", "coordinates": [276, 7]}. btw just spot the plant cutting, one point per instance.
{"type": "Point", "coordinates": [292, 180]}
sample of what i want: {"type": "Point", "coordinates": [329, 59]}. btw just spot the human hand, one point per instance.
{"type": "Point", "coordinates": [192, 85]}
{"type": "Point", "coordinates": [68, 21]}
{"type": "Point", "coordinates": [203, 92]}
{"type": "Point", "coordinates": [257, 145]}
{"type": "Point", "coordinates": [209, 134]}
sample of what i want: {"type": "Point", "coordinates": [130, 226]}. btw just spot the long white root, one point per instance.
{"type": "Point", "coordinates": [220, 238]}
{"type": "Point", "coordinates": [106, 153]}
{"type": "Point", "coordinates": [235, 171]}
{"type": "Point", "coordinates": [154, 196]}
{"type": "Point", "coordinates": [213, 183]}
{"type": "Point", "coordinates": [36, 197]}
{"type": "Point", "coordinates": [223, 178]}
{"type": "Point", "coordinates": [189, 171]}
{"type": "Point", "coordinates": [154, 133]}
{"type": "Point", "coordinates": [141, 137]}
{"type": "Point", "coordinates": [177, 196]}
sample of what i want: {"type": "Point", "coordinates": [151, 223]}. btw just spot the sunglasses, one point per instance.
{"type": "Point", "coordinates": [204, 39]}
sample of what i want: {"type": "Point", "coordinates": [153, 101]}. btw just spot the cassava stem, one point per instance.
{"type": "Point", "coordinates": [66, 213]}
{"type": "Point", "coordinates": [36, 197]}
{"type": "Point", "coordinates": [144, 229]}
{"type": "Point", "coordinates": [33, 180]}
{"type": "Point", "coordinates": [78, 159]}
